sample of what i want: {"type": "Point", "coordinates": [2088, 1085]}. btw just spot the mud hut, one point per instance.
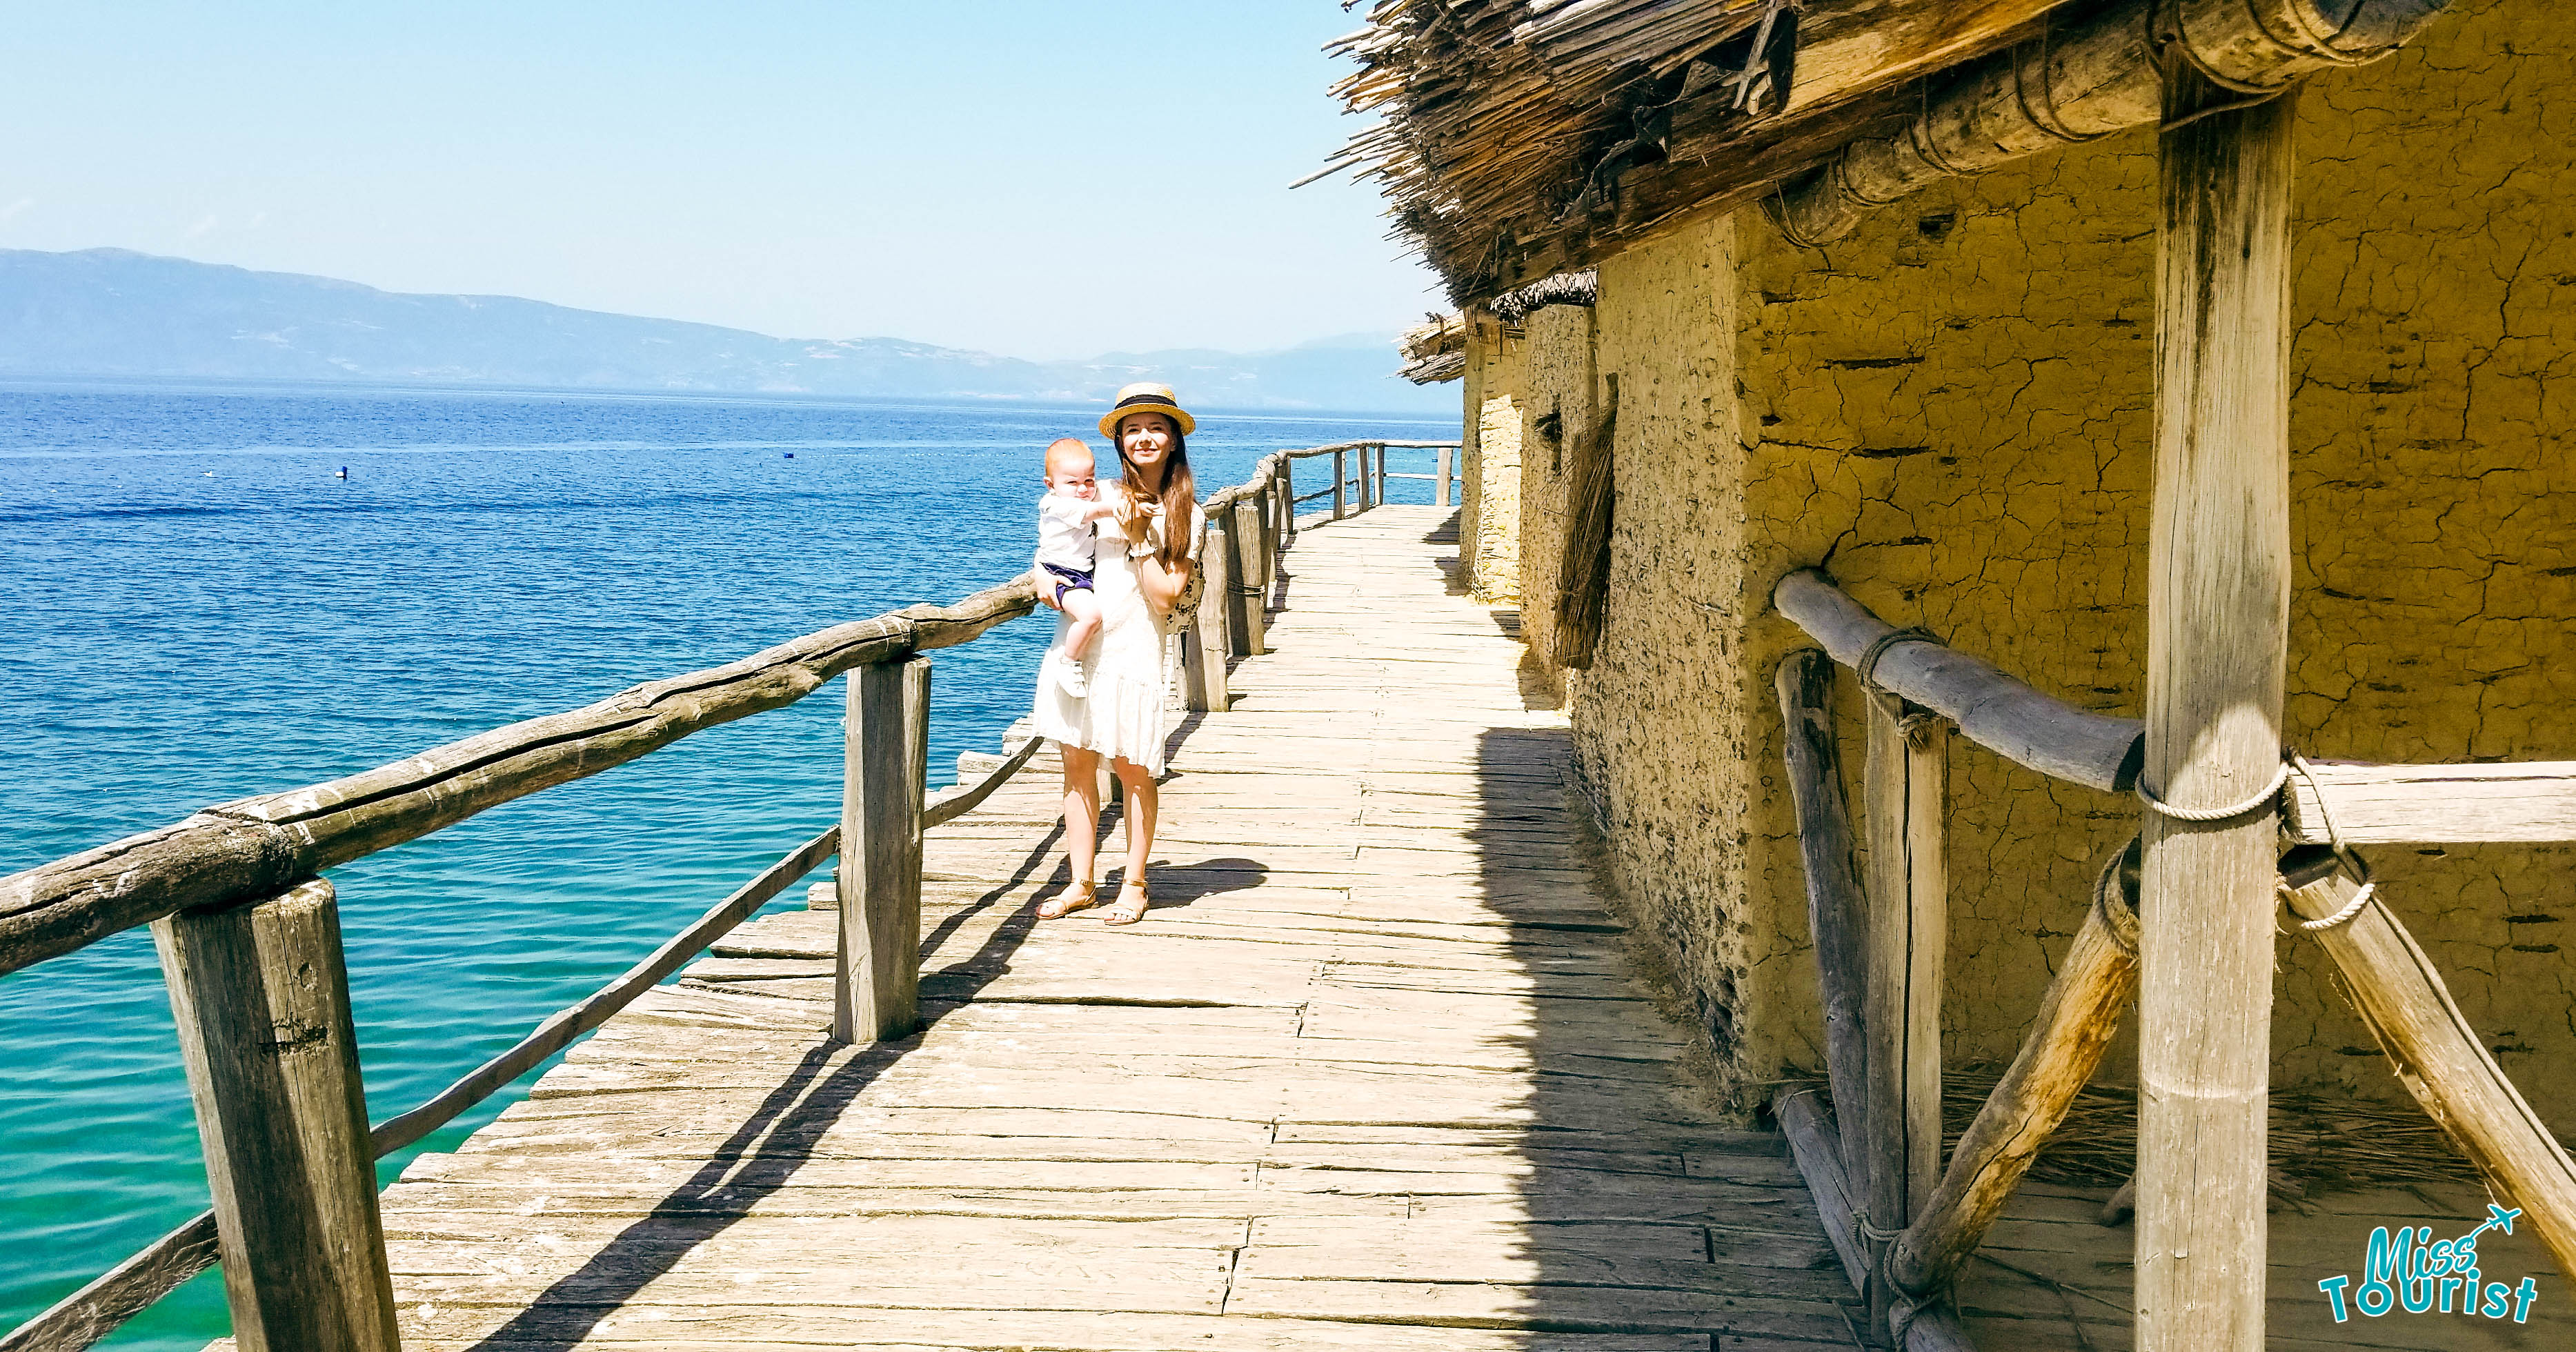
{"type": "Point", "coordinates": [2126, 434]}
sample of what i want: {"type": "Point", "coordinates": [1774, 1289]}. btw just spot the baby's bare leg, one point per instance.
{"type": "Point", "coordinates": [1084, 609]}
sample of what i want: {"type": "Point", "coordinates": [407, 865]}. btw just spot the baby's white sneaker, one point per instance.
{"type": "Point", "coordinates": [1068, 677]}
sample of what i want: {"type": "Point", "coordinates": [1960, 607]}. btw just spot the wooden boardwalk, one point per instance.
{"type": "Point", "coordinates": [1374, 1073]}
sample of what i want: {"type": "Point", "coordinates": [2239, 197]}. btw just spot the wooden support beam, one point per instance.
{"type": "Point", "coordinates": [1203, 641]}
{"type": "Point", "coordinates": [1246, 618]}
{"type": "Point", "coordinates": [1583, 570]}
{"type": "Point", "coordinates": [2094, 982]}
{"type": "Point", "coordinates": [1440, 493]}
{"type": "Point", "coordinates": [1908, 797]}
{"type": "Point", "coordinates": [1930, 1327]}
{"type": "Point", "coordinates": [1990, 708]}
{"type": "Point", "coordinates": [2443, 1062]}
{"type": "Point", "coordinates": [260, 992]}
{"type": "Point", "coordinates": [1341, 486]}
{"type": "Point", "coordinates": [877, 996]}
{"type": "Point", "coordinates": [2432, 804]}
{"type": "Point", "coordinates": [2217, 634]}
{"type": "Point", "coordinates": [1814, 1145]}
{"type": "Point", "coordinates": [1837, 906]}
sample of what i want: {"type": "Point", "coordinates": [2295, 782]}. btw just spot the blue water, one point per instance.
{"type": "Point", "coordinates": [194, 608]}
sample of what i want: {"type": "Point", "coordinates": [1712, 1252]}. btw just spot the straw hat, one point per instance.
{"type": "Point", "coordinates": [1145, 397]}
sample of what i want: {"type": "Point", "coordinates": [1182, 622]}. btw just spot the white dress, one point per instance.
{"type": "Point", "coordinates": [1127, 670]}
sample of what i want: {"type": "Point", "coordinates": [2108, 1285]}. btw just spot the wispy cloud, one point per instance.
{"type": "Point", "coordinates": [10, 212]}
{"type": "Point", "coordinates": [203, 227]}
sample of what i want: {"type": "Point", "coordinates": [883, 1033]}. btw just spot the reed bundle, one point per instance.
{"type": "Point", "coordinates": [2318, 1143]}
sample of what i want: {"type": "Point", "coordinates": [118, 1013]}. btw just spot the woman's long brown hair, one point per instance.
{"type": "Point", "coordinates": [1180, 492]}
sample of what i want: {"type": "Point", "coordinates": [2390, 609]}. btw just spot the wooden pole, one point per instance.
{"type": "Point", "coordinates": [886, 759]}
{"type": "Point", "coordinates": [1204, 643]}
{"type": "Point", "coordinates": [1287, 502]}
{"type": "Point", "coordinates": [2094, 982]}
{"type": "Point", "coordinates": [2217, 628]}
{"type": "Point", "coordinates": [1377, 497]}
{"type": "Point", "coordinates": [261, 995]}
{"type": "Point", "coordinates": [2442, 1061]}
{"type": "Point", "coordinates": [1341, 473]}
{"type": "Point", "coordinates": [1244, 613]}
{"type": "Point", "coordinates": [1837, 908]}
{"type": "Point", "coordinates": [1909, 777]}
{"type": "Point", "coordinates": [1441, 489]}
{"type": "Point", "coordinates": [1930, 1327]}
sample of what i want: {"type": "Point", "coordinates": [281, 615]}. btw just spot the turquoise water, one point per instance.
{"type": "Point", "coordinates": [195, 608]}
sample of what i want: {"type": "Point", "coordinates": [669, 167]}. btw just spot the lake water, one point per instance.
{"type": "Point", "coordinates": [195, 608]}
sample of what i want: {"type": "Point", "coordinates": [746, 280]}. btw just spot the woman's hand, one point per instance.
{"type": "Point", "coordinates": [1046, 589]}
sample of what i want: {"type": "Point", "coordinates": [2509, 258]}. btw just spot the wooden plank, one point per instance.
{"type": "Point", "coordinates": [260, 994]}
{"type": "Point", "coordinates": [2499, 802]}
{"type": "Point", "coordinates": [877, 986]}
{"type": "Point", "coordinates": [2217, 621]}
{"type": "Point", "coordinates": [1837, 905]}
{"type": "Point", "coordinates": [2443, 1062]}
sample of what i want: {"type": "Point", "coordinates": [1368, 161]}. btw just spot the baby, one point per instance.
{"type": "Point", "coordinates": [1068, 549]}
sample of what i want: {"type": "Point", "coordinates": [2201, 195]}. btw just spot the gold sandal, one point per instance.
{"type": "Point", "coordinates": [1125, 913]}
{"type": "Point", "coordinates": [1064, 904]}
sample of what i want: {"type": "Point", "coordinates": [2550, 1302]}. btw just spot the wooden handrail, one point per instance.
{"type": "Point", "coordinates": [1990, 708]}
{"type": "Point", "coordinates": [258, 845]}
{"type": "Point", "coordinates": [1355, 445]}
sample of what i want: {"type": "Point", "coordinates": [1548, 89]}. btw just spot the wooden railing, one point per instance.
{"type": "Point", "coordinates": [248, 931]}
{"type": "Point", "coordinates": [1358, 491]}
{"type": "Point", "coordinates": [1903, 1219]}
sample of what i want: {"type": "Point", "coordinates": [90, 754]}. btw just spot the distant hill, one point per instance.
{"type": "Point", "coordinates": [119, 313]}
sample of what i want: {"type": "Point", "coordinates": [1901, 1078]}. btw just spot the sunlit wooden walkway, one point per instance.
{"type": "Point", "coordinates": [1375, 1072]}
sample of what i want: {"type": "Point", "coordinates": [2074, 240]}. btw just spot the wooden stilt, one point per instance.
{"type": "Point", "coordinates": [877, 996]}
{"type": "Point", "coordinates": [1837, 907]}
{"type": "Point", "coordinates": [1448, 457]}
{"type": "Point", "coordinates": [1341, 486]}
{"type": "Point", "coordinates": [261, 997]}
{"type": "Point", "coordinates": [2217, 621]}
{"type": "Point", "coordinates": [1909, 776]}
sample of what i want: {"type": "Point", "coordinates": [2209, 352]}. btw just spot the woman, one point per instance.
{"type": "Point", "coordinates": [1123, 716]}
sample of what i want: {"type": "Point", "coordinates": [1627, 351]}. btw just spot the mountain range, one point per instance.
{"type": "Point", "coordinates": [113, 312]}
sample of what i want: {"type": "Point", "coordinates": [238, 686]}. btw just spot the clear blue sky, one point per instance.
{"type": "Point", "coordinates": [1039, 179]}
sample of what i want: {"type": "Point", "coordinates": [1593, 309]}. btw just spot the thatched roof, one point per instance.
{"type": "Point", "coordinates": [1434, 350]}
{"type": "Point", "coordinates": [1522, 138]}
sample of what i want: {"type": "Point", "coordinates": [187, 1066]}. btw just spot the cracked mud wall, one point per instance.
{"type": "Point", "coordinates": [1953, 410]}
{"type": "Point", "coordinates": [1489, 506]}
{"type": "Point", "coordinates": [1559, 405]}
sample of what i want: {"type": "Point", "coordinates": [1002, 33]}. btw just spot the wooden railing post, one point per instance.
{"type": "Point", "coordinates": [1837, 904]}
{"type": "Point", "coordinates": [1379, 498]}
{"type": "Point", "coordinates": [1245, 618]}
{"type": "Point", "coordinates": [1440, 490]}
{"type": "Point", "coordinates": [886, 759]}
{"type": "Point", "coordinates": [1368, 483]}
{"type": "Point", "coordinates": [1341, 485]}
{"type": "Point", "coordinates": [1287, 530]}
{"type": "Point", "coordinates": [261, 995]}
{"type": "Point", "coordinates": [1908, 792]}
{"type": "Point", "coordinates": [2218, 594]}
{"type": "Point", "coordinates": [1203, 643]}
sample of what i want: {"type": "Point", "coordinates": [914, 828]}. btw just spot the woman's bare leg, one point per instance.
{"type": "Point", "coordinates": [1081, 826]}
{"type": "Point", "coordinates": [1140, 813]}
